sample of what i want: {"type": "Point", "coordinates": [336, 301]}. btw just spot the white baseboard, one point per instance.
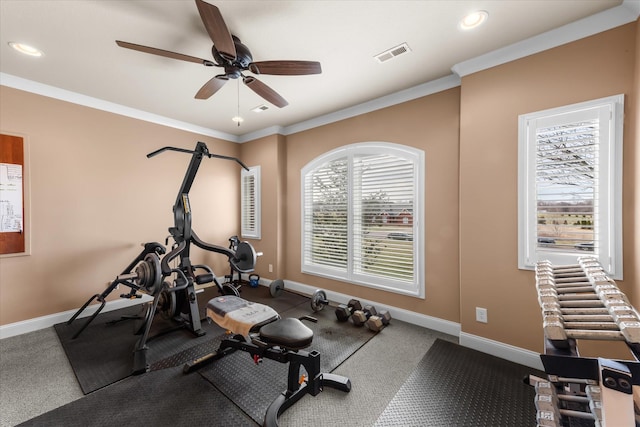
{"type": "Point", "coordinates": [437, 324]}
{"type": "Point", "coordinates": [35, 324]}
{"type": "Point", "coordinates": [504, 351]}
{"type": "Point", "coordinates": [485, 345]}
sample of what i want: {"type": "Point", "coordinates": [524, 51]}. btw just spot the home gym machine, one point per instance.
{"type": "Point", "coordinates": [148, 273]}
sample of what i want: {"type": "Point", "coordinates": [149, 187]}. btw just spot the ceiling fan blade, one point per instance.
{"type": "Point", "coordinates": [265, 91]}
{"type": "Point", "coordinates": [217, 29]}
{"type": "Point", "coordinates": [165, 53]}
{"type": "Point", "coordinates": [286, 68]}
{"type": "Point", "coordinates": [211, 87]}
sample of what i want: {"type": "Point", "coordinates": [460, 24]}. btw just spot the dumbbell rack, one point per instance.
{"type": "Point", "coordinates": [581, 302]}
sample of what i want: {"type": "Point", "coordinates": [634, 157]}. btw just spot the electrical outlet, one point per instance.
{"type": "Point", "coordinates": [270, 268]}
{"type": "Point", "coordinates": [481, 315]}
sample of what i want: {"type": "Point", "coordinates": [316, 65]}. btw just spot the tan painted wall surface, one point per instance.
{"type": "Point", "coordinates": [263, 152]}
{"type": "Point", "coordinates": [95, 197]}
{"type": "Point", "coordinates": [491, 101]}
{"type": "Point", "coordinates": [429, 123]}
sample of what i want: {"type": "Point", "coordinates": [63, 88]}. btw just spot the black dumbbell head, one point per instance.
{"type": "Point", "coordinates": [370, 310]}
{"type": "Point", "coordinates": [354, 305]}
{"type": "Point", "coordinates": [343, 312]}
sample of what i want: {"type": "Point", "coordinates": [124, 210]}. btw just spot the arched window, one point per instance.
{"type": "Point", "coordinates": [362, 216]}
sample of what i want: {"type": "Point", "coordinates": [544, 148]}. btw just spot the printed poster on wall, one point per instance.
{"type": "Point", "coordinates": [10, 197]}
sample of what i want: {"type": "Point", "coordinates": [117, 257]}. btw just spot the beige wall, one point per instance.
{"type": "Point", "coordinates": [430, 124]}
{"type": "Point", "coordinates": [491, 101]}
{"type": "Point", "coordinates": [95, 197]}
{"type": "Point", "coordinates": [267, 153]}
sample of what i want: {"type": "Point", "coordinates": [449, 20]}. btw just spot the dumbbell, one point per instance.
{"type": "Point", "coordinates": [359, 317]}
{"type": "Point", "coordinates": [343, 312]}
{"type": "Point", "coordinates": [549, 409]}
{"type": "Point", "coordinates": [377, 322]}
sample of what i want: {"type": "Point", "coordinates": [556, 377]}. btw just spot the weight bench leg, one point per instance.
{"type": "Point", "coordinates": [312, 386]}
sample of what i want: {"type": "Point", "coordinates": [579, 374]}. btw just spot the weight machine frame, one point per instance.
{"type": "Point", "coordinates": [182, 293]}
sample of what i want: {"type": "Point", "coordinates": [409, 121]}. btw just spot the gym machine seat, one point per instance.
{"type": "Point", "coordinates": [261, 332]}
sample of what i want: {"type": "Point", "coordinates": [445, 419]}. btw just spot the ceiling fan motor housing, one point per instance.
{"type": "Point", "coordinates": [233, 68]}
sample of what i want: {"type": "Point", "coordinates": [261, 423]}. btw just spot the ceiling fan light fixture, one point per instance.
{"type": "Point", "coordinates": [237, 119]}
{"type": "Point", "coordinates": [474, 19]}
{"type": "Point", "coordinates": [26, 49]}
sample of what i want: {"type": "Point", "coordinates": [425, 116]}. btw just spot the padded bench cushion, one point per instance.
{"type": "Point", "coordinates": [289, 333]}
{"type": "Point", "coordinates": [238, 315]}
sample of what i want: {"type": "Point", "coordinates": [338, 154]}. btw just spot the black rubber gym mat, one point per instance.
{"type": "Point", "coordinates": [160, 398]}
{"type": "Point", "coordinates": [253, 387]}
{"type": "Point", "coordinates": [103, 353]}
{"type": "Point", "coordinates": [457, 386]}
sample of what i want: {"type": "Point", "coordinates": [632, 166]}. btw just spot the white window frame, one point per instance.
{"type": "Point", "coordinates": [248, 230]}
{"type": "Point", "coordinates": [608, 213]}
{"type": "Point", "coordinates": [417, 286]}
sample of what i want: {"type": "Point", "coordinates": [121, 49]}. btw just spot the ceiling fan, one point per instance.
{"type": "Point", "coordinates": [230, 54]}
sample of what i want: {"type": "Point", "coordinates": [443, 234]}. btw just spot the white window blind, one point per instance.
{"type": "Point", "coordinates": [361, 211]}
{"type": "Point", "coordinates": [250, 203]}
{"type": "Point", "coordinates": [570, 184]}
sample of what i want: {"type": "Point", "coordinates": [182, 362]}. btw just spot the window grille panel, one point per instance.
{"type": "Point", "coordinates": [250, 203]}
{"type": "Point", "coordinates": [566, 182]}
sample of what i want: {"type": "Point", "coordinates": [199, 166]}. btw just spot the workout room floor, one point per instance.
{"type": "Point", "coordinates": [35, 377]}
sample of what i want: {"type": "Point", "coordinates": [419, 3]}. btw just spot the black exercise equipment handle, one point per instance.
{"type": "Point", "coordinates": [211, 247]}
{"type": "Point", "coordinates": [164, 264]}
{"type": "Point", "coordinates": [206, 153]}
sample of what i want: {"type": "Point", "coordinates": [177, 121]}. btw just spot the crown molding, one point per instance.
{"type": "Point", "coordinates": [111, 107]}
{"type": "Point", "coordinates": [623, 14]}
{"type": "Point", "coordinates": [405, 95]}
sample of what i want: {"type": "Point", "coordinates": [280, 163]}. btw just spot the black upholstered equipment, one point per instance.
{"type": "Point", "coordinates": [289, 333]}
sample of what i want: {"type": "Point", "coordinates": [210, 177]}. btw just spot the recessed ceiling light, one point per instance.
{"type": "Point", "coordinates": [26, 49]}
{"type": "Point", "coordinates": [474, 19]}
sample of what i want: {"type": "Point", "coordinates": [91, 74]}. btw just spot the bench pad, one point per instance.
{"type": "Point", "coordinates": [289, 333]}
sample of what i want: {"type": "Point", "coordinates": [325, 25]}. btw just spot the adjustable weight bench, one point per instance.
{"type": "Point", "coordinates": [259, 330]}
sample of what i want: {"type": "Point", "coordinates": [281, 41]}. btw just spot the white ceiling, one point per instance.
{"type": "Point", "coordinates": [81, 56]}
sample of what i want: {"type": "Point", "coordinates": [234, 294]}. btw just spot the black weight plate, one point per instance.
{"type": "Point", "coordinates": [245, 258]}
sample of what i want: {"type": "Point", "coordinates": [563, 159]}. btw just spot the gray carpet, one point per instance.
{"type": "Point", "coordinates": [457, 386]}
{"type": "Point", "coordinates": [237, 391]}
{"type": "Point", "coordinates": [159, 398]}
{"type": "Point", "coordinates": [37, 378]}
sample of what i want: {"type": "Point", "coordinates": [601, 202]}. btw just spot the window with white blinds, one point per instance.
{"type": "Point", "coordinates": [361, 212]}
{"type": "Point", "coordinates": [570, 184]}
{"type": "Point", "coordinates": [250, 203]}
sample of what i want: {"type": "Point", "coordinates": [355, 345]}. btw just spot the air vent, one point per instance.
{"type": "Point", "coordinates": [260, 108]}
{"type": "Point", "coordinates": [392, 53]}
